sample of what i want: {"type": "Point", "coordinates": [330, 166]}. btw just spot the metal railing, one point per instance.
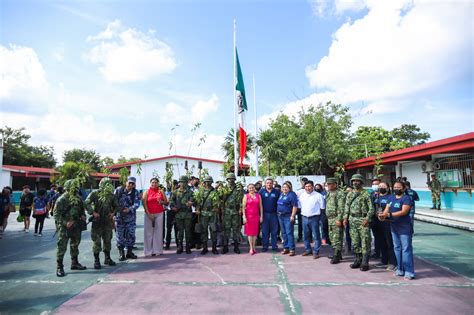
{"type": "Point", "coordinates": [455, 171]}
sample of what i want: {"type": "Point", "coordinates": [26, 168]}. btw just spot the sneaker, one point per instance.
{"type": "Point", "coordinates": [409, 277]}
{"type": "Point", "coordinates": [306, 254]}
{"type": "Point", "coordinates": [399, 273]}
{"type": "Point", "coordinates": [36, 234]}
{"type": "Point", "coordinates": [40, 235]}
{"type": "Point", "coordinates": [316, 256]}
{"type": "Point", "coordinates": [27, 231]}
{"type": "Point", "coordinates": [391, 267]}
{"type": "Point", "coordinates": [264, 250]}
{"type": "Point", "coordinates": [380, 265]}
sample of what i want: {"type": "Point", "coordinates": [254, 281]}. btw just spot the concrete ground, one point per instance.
{"type": "Point", "coordinates": [264, 283]}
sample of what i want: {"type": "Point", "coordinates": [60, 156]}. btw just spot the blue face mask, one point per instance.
{"type": "Point", "coordinates": [375, 187]}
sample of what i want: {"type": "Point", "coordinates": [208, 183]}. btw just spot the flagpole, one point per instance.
{"type": "Point", "coordinates": [236, 158]}
{"type": "Point", "coordinates": [256, 127]}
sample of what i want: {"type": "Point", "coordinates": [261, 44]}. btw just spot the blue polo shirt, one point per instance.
{"type": "Point", "coordinates": [381, 201]}
{"type": "Point", "coordinates": [287, 202]}
{"type": "Point", "coordinates": [269, 200]}
{"type": "Point", "coordinates": [403, 223]}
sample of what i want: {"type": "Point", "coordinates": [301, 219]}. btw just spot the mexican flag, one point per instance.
{"type": "Point", "coordinates": [241, 109]}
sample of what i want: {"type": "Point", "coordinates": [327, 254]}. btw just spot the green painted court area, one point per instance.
{"type": "Point", "coordinates": [264, 283]}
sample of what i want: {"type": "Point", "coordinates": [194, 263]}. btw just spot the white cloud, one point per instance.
{"type": "Point", "coordinates": [203, 108]}
{"type": "Point", "coordinates": [22, 76]}
{"type": "Point", "coordinates": [174, 113]}
{"type": "Point", "coordinates": [125, 54]}
{"type": "Point", "coordinates": [323, 8]}
{"type": "Point", "coordinates": [398, 49]}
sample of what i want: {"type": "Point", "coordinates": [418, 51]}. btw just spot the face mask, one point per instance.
{"type": "Point", "coordinates": [326, 188]}
{"type": "Point", "coordinates": [375, 187]}
{"type": "Point", "coordinates": [383, 190]}
{"type": "Point", "coordinates": [318, 190]}
{"type": "Point", "coordinates": [398, 192]}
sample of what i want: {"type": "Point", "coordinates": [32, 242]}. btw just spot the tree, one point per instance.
{"type": "Point", "coordinates": [17, 151]}
{"type": "Point", "coordinates": [228, 147]}
{"type": "Point", "coordinates": [408, 135]}
{"type": "Point", "coordinates": [72, 170]}
{"type": "Point", "coordinates": [89, 157]}
{"type": "Point", "coordinates": [369, 140]}
{"type": "Point", "coordinates": [121, 159]}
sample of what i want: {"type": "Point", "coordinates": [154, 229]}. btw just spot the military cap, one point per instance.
{"type": "Point", "coordinates": [183, 179]}
{"type": "Point", "coordinates": [131, 179]}
{"type": "Point", "coordinates": [331, 180]}
{"type": "Point", "coordinates": [208, 179]}
{"type": "Point", "coordinates": [68, 184]}
{"type": "Point", "coordinates": [231, 176]}
{"type": "Point", "coordinates": [104, 181]}
{"type": "Point", "coordinates": [357, 177]}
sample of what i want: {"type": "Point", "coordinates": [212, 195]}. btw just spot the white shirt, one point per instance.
{"type": "Point", "coordinates": [311, 203]}
{"type": "Point", "coordinates": [298, 193]}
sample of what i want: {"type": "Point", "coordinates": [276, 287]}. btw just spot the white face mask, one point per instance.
{"type": "Point", "coordinates": [375, 187]}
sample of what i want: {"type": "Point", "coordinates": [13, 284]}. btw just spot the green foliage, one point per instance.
{"type": "Point", "coordinates": [121, 159]}
{"type": "Point", "coordinates": [169, 176]}
{"type": "Point", "coordinates": [75, 170]}
{"type": "Point", "coordinates": [124, 173]}
{"type": "Point", "coordinates": [89, 157]}
{"type": "Point", "coordinates": [17, 151]}
{"type": "Point", "coordinates": [228, 146]}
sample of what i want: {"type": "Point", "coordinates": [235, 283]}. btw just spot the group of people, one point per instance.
{"type": "Point", "coordinates": [215, 213]}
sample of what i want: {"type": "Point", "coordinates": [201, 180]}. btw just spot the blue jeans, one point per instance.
{"type": "Point", "coordinates": [287, 231]}
{"type": "Point", "coordinates": [402, 246]}
{"type": "Point", "coordinates": [269, 227]}
{"type": "Point", "coordinates": [311, 227]}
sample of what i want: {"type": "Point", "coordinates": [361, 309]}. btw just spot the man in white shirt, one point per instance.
{"type": "Point", "coordinates": [311, 203]}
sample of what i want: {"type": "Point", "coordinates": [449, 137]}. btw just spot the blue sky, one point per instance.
{"type": "Point", "coordinates": [116, 76]}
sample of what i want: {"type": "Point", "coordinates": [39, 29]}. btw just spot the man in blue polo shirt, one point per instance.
{"type": "Point", "coordinates": [270, 197]}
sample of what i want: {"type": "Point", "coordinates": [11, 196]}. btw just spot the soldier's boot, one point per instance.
{"type": "Point", "coordinates": [122, 254]}
{"type": "Point", "coordinates": [439, 206]}
{"type": "Point", "coordinates": [434, 207]}
{"type": "Point", "coordinates": [188, 249]}
{"type": "Point", "coordinates": [179, 248]}
{"type": "Point", "coordinates": [225, 248]}
{"type": "Point", "coordinates": [336, 257]}
{"type": "Point", "coordinates": [130, 254]}
{"type": "Point", "coordinates": [75, 265]}
{"type": "Point", "coordinates": [108, 260]}
{"type": "Point", "coordinates": [365, 263]}
{"type": "Point", "coordinates": [357, 261]}
{"type": "Point", "coordinates": [236, 247]}
{"type": "Point", "coordinates": [214, 248]}
{"type": "Point", "coordinates": [60, 269]}
{"type": "Point", "coordinates": [333, 253]}
{"type": "Point", "coordinates": [204, 249]}
{"type": "Point", "coordinates": [167, 246]}
{"type": "Point", "coordinates": [97, 262]}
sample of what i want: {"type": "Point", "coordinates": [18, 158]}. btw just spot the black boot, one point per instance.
{"type": "Point", "coordinates": [97, 262]}
{"type": "Point", "coordinates": [365, 263]}
{"type": "Point", "coordinates": [333, 253]}
{"type": "Point", "coordinates": [225, 249]}
{"type": "Point", "coordinates": [357, 261]}
{"type": "Point", "coordinates": [434, 207]}
{"type": "Point", "coordinates": [188, 249]}
{"type": "Point", "coordinates": [439, 206]}
{"type": "Point", "coordinates": [108, 260]}
{"type": "Point", "coordinates": [204, 250]}
{"type": "Point", "coordinates": [214, 248]}
{"type": "Point", "coordinates": [167, 246]}
{"type": "Point", "coordinates": [236, 248]}
{"type": "Point", "coordinates": [122, 254]}
{"type": "Point", "coordinates": [130, 254]}
{"type": "Point", "coordinates": [60, 269]}
{"type": "Point", "coordinates": [75, 265]}
{"type": "Point", "coordinates": [336, 257]}
{"type": "Point", "coordinates": [179, 248]}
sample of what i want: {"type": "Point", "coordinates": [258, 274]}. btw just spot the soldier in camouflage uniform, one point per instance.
{"type": "Point", "coordinates": [435, 187]}
{"type": "Point", "coordinates": [181, 202]}
{"type": "Point", "coordinates": [359, 210]}
{"type": "Point", "coordinates": [335, 201]}
{"type": "Point", "coordinates": [232, 214]}
{"type": "Point", "coordinates": [68, 211]}
{"type": "Point", "coordinates": [102, 205]}
{"type": "Point", "coordinates": [208, 212]}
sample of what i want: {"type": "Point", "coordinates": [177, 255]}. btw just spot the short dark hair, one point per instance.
{"type": "Point", "coordinates": [60, 189]}
{"type": "Point", "coordinates": [376, 180]}
{"type": "Point", "coordinates": [26, 186]}
{"type": "Point", "coordinates": [407, 183]}
{"type": "Point", "coordinates": [309, 182]}
{"type": "Point", "coordinates": [154, 178]}
{"type": "Point", "coordinates": [304, 179]}
{"type": "Point", "coordinates": [41, 192]}
{"type": "Point", "coordinates": [53, 186]}
{"type": "Point", "coordinates": [401, 183]}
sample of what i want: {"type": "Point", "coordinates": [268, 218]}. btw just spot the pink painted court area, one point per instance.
{"type": "Point", "coordinates": [269, 283]}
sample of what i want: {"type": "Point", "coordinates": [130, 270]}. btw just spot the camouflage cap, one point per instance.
{"type": "Point", "coordinates": [208, 179]}
{"type": "Point", "coordinates": [331, 180]}
{"type": "Point", "coordinates": [104, 181]}
{"type": "Point", "coordinates": [183, 179]}
{"type": "Point", "coordinates": [231, 176]}
{"type": "Point", "coordinates": [68, 184]}
{"type": "Point", "coordinates": [357, 177]}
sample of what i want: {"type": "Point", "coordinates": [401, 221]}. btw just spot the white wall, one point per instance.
{"type": "Point", "coordinates": [159, 167]}
{"type": "Point", "coordinates": [412, 171]}
{"type": "Point", "coordinates": [5, 179]}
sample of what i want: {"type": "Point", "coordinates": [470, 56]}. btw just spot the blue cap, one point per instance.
{"type": "Point", "coordinates": [131, 179]}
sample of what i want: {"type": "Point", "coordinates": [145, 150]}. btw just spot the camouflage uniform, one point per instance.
{"type": "Point", "coordinates": [335, 202]}
{"type": "Point", "coordinates": [184, 214]}
{"type": "Point", "coordinates": [208, 217]}
{"type": "Point", "coordinates": [102, 227]}
{"type": "Point", "coordinates": [232, 215]}
{"type": "Point", "coordinates": [65, 210]}
{"type": "Point", "coordinates": [436, 193]}
{"type": "Point", "coordinates": [358, 208]}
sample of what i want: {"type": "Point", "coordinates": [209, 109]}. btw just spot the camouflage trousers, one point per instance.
{"type": "Point", "coordinates": [125, 233]}
{"type": "Point", "coordinates": [436, 198]}
{"type": "Point", "coordinates": [335, 234]}
{"type": "Point", "coordinates": [232, 227]}
{"type": "Point", "coordinates": [183, 227]}
{"type": "Point", "coordinates": [101, 234]}
{"type": "Point", "coordinates": [360, 236]}
{"type": "Point", "coordinates": [206, 223]}
{"type": "Point", "coordinates": [74, 241]}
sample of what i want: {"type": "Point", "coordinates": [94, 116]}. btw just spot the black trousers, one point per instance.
{"type": "Point", "coordinates": [386, 244]}
{"type": "Point", "coordinates": [39, 223]}
{"type": "Point", "coordinates": [170, 225]}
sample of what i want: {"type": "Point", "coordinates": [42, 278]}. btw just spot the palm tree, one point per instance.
{"type": "Point", "coordinates": [228, 145]}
